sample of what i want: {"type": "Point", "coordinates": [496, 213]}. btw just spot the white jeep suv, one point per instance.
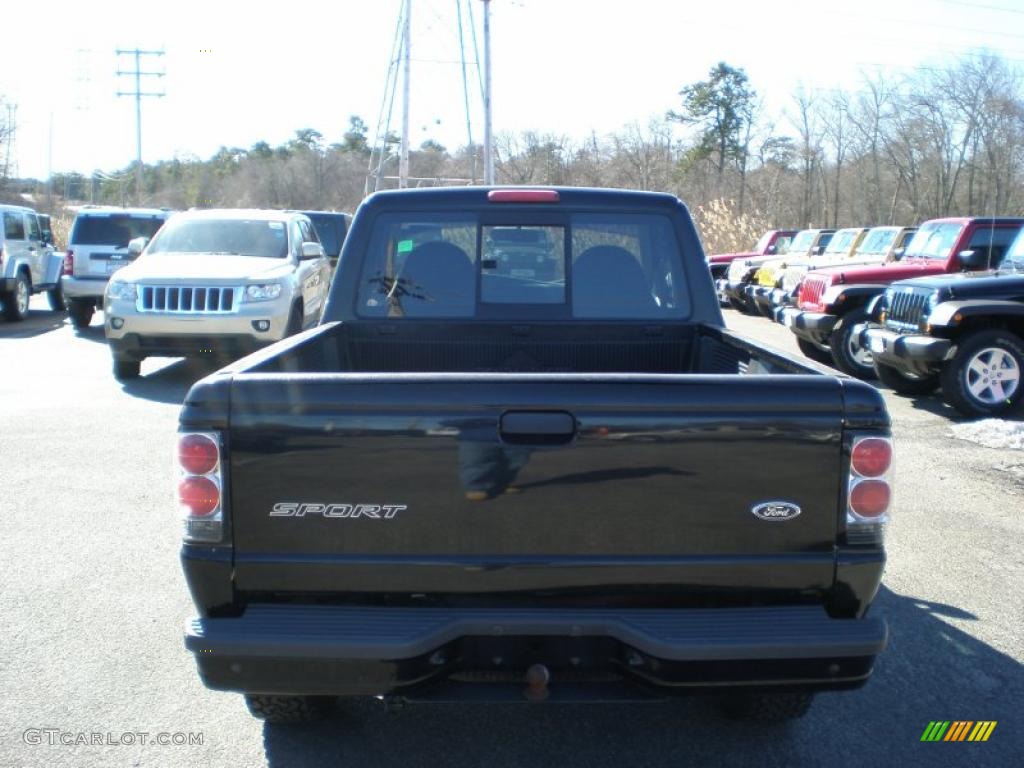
{"type": "Point", "coordinates": [215, 283]}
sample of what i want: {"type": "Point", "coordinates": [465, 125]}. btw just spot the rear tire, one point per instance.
{"type": "Point", "coordinates": [986, 375]}
{"type": "Point", "coordinates": [768, 707]}
{"type": "Point", "coordinates": [904, 383]}
{"type": "Point", "coordinates": [125, 370]}
{"type": "Point", "coordinates": [287, 709]}
{"type": "Point", "coordinates": [814, 352]}
{"type": "Point", "coordinates": [56, 298]}
{"type": "Point", "coordinates": [16, 301]}
{"type": "Point", "coordinates": [80, 311]}
{"type": "Point", "coordinates": [847, 355]}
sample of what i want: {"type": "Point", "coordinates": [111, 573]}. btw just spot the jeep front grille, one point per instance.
{"type": "Point", "coordinates": [905, 309]}
{"type": "Point", "coordinates": [811, 290]}
{"type": "Point", "coordinates": [187, 299]}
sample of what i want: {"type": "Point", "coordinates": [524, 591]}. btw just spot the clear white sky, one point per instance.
{"type": "Point", "coordinates": [561, 66]}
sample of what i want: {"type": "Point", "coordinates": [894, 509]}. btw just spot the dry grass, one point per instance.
{"type": "Point", "coordinates": [723, 230]}
{"type": "Point", "coordinates": [60, 223]}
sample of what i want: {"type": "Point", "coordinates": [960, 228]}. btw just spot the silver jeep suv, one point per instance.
{"type": "Point", "coordinates": [97, 248]}
{"type": "Point", "coordinates": [215, 283]}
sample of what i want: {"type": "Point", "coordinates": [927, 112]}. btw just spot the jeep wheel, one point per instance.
{"type": "Point", "coordinates": [294, 321]}
{"type": "Point", "coordinates": [127, 369]}
{"type": "Point", "coordinates": [906, 383]}
{"type": "Point", "coordinates": [56, 298]}
{"type": "Point", "coordinates": [814, 352]}
{"type": "Point", "coordinates": [847, 353]}
{"type": "Point", "coordinates": [80, 311]}
{"type": "Point", "coordinates": [16, 301]}
{"type": "Point", "coordinates": [984, 378]}
{"type": "Point", "coordinates": [287, 709]}
{"type": "Point", "coordinates": [768, 707]}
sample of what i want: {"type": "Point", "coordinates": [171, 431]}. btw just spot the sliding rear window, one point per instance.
{"type": "Point", "coordinates": [576, 266]}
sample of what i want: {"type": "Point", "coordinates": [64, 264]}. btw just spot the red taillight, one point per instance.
{"type": "Point", "coordinates": [869, 492]}
{"type": "Point", "coordinates": [199, 495]}
{"type": "Point", "coordinates": [522, 196]}
{"type": "Point", "coordinates": [200, 480]}
{"type": "Point", "coordinates": [870, 498]}
{"type": "Point", "coordinates": [198, 454]}
{"type": "Point", "coordinates": [871, 457]}
{"type": "Point", "coordinates": [69, 263]}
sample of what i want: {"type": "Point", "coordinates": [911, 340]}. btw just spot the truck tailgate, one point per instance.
{"type": "Point", "coordinates": [462, 483]}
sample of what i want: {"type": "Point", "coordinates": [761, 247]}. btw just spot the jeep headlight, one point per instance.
{"type": "Point", "coordinates": [791, 279]}
{"type": "Point", "coordinates": [263, 292]}
{"type": "Point", "coordinates": [832, 294]}
{"type": "Point", "coordinates": [929, 306]}
{"type": "Point", "coordinates": [118, 289]}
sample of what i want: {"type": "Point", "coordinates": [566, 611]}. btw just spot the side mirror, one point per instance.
{"type": "Point", "coordinates": [770, 250]}
{"type": "Point", "coordinates": [137, 245]}
{"type": "Point", "coordinates": [898, 254]}
{"type": "Point", "coordinates": [312, 251]}
{"type": "Point", "coordinates": [817, 250]}
{"type": "Point", "coordinates": [971, 259]}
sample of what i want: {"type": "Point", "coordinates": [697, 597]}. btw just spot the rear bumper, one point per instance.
{"type": "Point", "coordinates": [907, 352]}
{"type": "Point", "coordinates": [344, 650]}
{"type": "Point", "coordinates": [812, 326]}
{"type": "Point", "coordinates": [7, 284]}
{"type": "Point", "coordinates": [84, 288]}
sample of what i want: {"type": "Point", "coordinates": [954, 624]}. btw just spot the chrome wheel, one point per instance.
{"type": "Point", "coordinates": [860, 355]}
{"type": "Point", "coordinates": [21, 296]}
{"type": "Point", "coordinates": [992, 376]}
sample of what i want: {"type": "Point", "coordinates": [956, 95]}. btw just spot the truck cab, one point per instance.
{"type": "Point", "coordinates": [493, 472]}
{"type": "Point", "coordinates": [832, 301]}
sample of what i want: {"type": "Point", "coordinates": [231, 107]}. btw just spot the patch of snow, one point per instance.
{"type": "Point", "coordinates": [992, 433]}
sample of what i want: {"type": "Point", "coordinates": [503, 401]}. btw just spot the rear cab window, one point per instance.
{"type": "Point", "coordinates": [545, 266]}
{"type": "Point", "coordinates": [113, 229]}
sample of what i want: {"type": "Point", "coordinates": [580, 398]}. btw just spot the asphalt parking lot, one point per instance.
{"type": "Point", "coordinates": [93, 606]}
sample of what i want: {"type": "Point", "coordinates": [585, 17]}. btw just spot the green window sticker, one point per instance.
{"type": "Point", "coordinates": [404, 246]}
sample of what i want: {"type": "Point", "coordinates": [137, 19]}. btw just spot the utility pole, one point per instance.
{"type": "Point", "coordinates": [138, 93]}
{"type": "Point", "coordinates": [488, 148]}
{"type": "Point", "coordinates": [403, 160]}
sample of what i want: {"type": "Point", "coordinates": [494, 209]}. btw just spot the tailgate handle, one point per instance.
{"type": "Point", "coordinates": [538, 427]}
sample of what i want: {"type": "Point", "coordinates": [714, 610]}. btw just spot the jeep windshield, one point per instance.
{"type": "Point", "coordinates": [802, 242]}
{"type": "Point", "coordinates": [1015, 256]}
{"type": "Point", "coordinates": [236, 237]}
{"type": "Point", "coordinates": [877, 242]}
{"type": "Point", "coordinates": [933, 241]}
{"type": "Point", "coordinates": [568, 266]}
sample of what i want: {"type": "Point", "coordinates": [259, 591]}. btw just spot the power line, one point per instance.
{"type": "Point", "coordinates": [138, 93]}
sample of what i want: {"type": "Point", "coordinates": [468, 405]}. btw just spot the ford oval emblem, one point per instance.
{"type": "Point", "coordinates": [775, 510]}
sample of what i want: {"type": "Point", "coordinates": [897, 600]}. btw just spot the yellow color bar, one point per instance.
{"type": "Point", "coordinates": [982, 730]}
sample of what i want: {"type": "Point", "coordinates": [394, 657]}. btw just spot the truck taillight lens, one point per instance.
{"type": "Point", "coordinates": [69, 263]}
{"type": "Point", "coordinates": [199, 486]}
{"type": "Point", "coordinates": [871, 456]}
{"type": "Point", "coordinates": [199, 496]}
{"type": "Point", "coordinates": [869, 492]}
{"type": "Point", "coordinates": [198, 454]}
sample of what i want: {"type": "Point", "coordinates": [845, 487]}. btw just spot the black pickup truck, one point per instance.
{"type": "Point", "coordinates": [558, 478]}
{"type": "Point", "coordinates": [963, 332]}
